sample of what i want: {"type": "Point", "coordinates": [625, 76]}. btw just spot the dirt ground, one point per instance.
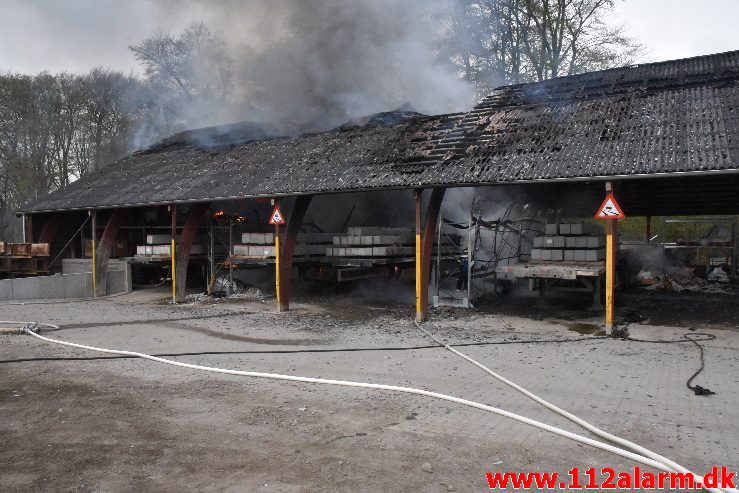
{"type": "Point", "coordinates": [74, 421]}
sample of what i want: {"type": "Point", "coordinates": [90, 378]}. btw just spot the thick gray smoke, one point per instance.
{"type": "Point", "coordinates": [313, 64]}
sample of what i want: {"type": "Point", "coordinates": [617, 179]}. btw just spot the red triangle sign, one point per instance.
{"type": "Point", "coordinates": [276, 217]}
{"type": "Point", "coordinates": [610, 209]}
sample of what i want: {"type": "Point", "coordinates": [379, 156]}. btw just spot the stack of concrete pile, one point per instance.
{"type": "Point", "coordinates": [569, 242]}
{"type": "Point", "coordinates": [367, 242]}
{"type": "Point", "coordinates": [373, 242]}
{"type": "Point", "coordinates": [161, 246]}
{"type": "Point", "coordinates": [262, 245]}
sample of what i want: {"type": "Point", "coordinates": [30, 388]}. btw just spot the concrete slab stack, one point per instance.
{"type": "Point", "coordinates": [569, 242]}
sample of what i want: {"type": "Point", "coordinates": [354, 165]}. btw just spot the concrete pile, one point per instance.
{"type": "Point", "coordinates": [569, 242]}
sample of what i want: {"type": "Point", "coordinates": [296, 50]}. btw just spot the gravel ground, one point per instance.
{"type": "Point", "coordinates": [136, 425]}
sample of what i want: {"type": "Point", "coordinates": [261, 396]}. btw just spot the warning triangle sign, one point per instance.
{"type": "Point", "coordinates": [610, 209]}
{"type": "Point", "coordinates": [276, 217]}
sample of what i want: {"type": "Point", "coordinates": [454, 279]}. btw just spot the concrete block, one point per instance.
{"type": "Point", "coordinates": [571, 242]}
{"type": "Point", "coordinates": [261, 251]}
{"type": "Point", "coordinates": [581, 241]}
{"type": "Point", "coordinates": [569, 255]}
{"type": "Point", "coordinates": [554, 241]}
{"type": "Point", "coordinates": [6, 289]}
{"type": "Point", "coordinates": [551, 229]}
{"type": "Point", "coordinates": [580, 255]}
{"type": "Point", "coordinates": [539, 242]}
{"type": "Point", "coordinates": [536, 254]}
{"type": "Point", "coordinates": [337, 240]}
{"type": "Point", "coordinates": [163, 250]}
{"type": "Point", "coordinates": [595, 255]}
{"type": "Point", "coordinates": [576, 228]}
{"type": "Point", "coordinates": [144, 250]}
{"type": "Point", "coordinates": [596, 241]}
{"type": "Point", "coordinates": [242, 250]}
{"type": "Point", "coordinates": [564, 229]}
{"type": "Point", "coordinates": [557, 255]}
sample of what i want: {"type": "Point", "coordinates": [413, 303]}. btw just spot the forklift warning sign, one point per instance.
{"type": "Point", "coordinates": [610, 209]}
{"type": "Point", "coordinates": [276, 217]}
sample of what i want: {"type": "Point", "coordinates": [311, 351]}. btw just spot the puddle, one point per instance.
{"type": "Point", "coordinates": [587, 329]}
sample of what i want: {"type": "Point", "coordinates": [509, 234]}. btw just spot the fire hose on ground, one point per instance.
{"type": "Point", "coordinates": [673, 466]}
{"type": "Point", "coordinates": [659, 463]}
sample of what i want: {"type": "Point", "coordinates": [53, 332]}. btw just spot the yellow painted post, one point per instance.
{"type": "Point", "coordinates": [277, 268]}
{"type": "Point", "coordinates": [611, 226]}
{"type": "Point", "coordinates": [420, 309]}
{"type": "Point", "coordinates": [94, 256]}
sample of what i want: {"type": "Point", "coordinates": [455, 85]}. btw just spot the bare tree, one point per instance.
{"type": "Point", "coordinates": [500, 42]}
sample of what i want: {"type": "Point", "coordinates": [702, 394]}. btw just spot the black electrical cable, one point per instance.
{"type": "Point", "coordinates": [624, 336]}
{"type": "Point", "coordinates": [297, 351]}
{"type": "Point", "coordinates": [697, 389]}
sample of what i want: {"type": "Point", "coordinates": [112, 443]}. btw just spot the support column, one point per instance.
{"type": "Point", "coordinates": [421, 309]}
{"type": "Point", "coordinates": [611, 239]}
{"type": "Point", "coordinates": [48, 232]}
{"type": "Point", "coordinates": [27, 229]}
{"type": "Point", "coordinates": [93, 216]}
{"type": "Point", "coordinates": [103, 251]}
{"type": "Point", "coordinates": [425, 248]}
{"type": "Point", "coordinates": [173, 251]}
{"type": "Point", "coordinates": [648, 229]}
{"type": "Point", "coordinates": [284, 258]}
{"type": "Point", "coordinates": [189, 232]}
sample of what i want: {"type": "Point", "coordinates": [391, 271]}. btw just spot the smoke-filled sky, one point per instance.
{"type": "Point", "coordinates": [300, 60]}
{"type": "Point", "coordinates": [76, 35]}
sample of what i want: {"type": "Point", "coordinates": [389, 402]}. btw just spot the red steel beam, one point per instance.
{"type": "Point", "coordinates": [182, 253]}
{"type": "Point", "coordinates": [104, 249]}
{"type": "Point", "coordinates": [51, 226]}
{"type": "Point", "coordinates": [287, 247]}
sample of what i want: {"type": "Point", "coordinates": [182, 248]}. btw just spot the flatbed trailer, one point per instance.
{"type": "Point", "coordinates": [566, 276]}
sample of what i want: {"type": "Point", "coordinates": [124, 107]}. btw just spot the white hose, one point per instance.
{"type": "Point", "coordinates": [391, 388]}
{"type": "Point", "coordinates": [590, 427]}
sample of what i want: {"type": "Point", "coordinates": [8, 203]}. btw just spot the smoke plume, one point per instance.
{"type": "Point", "coordinates": [313, 64]}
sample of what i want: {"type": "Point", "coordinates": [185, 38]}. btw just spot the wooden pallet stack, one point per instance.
{"type": "Point", "coordinates": [569, 242]}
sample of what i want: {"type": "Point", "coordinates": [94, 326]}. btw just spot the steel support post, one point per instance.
{"type": "Point", "coordinates": [93, 215]}
{"type": "Point", "coordinates": [103, 251]}
{"type": "Point", "coordinates": [172, 251]}
{"type": "Point", "coordinates": [611, 247]}
{"type": "Point", "coordinates": [286, 250]}
{"type": "Point", "coordinates": [189, 232]}
{"type": "Point", "coordinates": [421, 309]}
{"type": "Point", "coordinates": [51, 227]}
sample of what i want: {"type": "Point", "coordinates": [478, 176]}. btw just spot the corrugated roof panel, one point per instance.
{"type": "Point", "coordinates": [668, 117]}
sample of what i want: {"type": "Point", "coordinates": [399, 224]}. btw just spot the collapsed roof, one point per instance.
{"type": "Point", "coordinates": [669, 118]}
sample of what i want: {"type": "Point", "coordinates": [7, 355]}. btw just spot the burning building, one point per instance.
{"type": "Point", "coordinates": [664, 136]}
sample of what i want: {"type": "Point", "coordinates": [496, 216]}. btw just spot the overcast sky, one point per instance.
{"type": "Point", "coordinates": [76, 35]}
